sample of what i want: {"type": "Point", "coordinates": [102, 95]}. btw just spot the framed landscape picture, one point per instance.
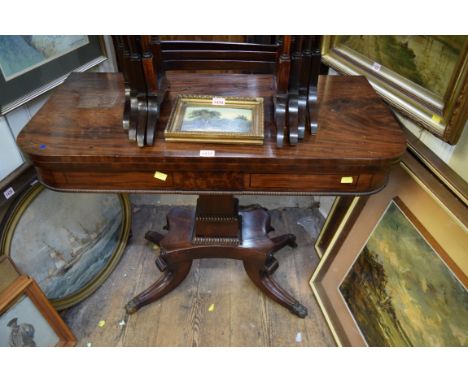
{"type": "Point", "coordinates": [396, 274]}
{"type": "Point", "coordinates": [31, 65]}
{"type": "Point", "coordinates": [423, 77]}
{"type": "Point", "coordinates": [27, 319]}
{"type": "Point", "coordinates": [213, 119]}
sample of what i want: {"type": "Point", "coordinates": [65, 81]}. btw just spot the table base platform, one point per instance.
{"type": "Point", "coordinates": [218, 229]}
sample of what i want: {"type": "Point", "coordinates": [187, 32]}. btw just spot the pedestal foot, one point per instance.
{"type": "Point", "coordinates": [131, 306]}
{"type": "Point", "coordinates": [272, 289]}
{"type": "Point", "coordinates": [171, 278]}
{"type": "Point", "coordinates": [154, 237]}
{"type": "Point", "coordinates": [299, 310]}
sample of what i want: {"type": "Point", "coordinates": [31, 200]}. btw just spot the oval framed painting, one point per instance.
{"type": "Point", "coordinates": [68, 242]}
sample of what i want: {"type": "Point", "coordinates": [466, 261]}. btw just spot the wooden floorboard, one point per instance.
{"type": "Point", "coordinates": [217, 304]}
{"type": "Point", "coordinates": [316, 330]}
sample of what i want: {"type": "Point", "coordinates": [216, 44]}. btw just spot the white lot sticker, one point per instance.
{"type": "Point", "coordinates": [207, 153]}
{"type": "Point", "coordinates": [218, 101]}
{"type": "Point", "coordinates": [9, 192]}
{"type": "Point", "coordinates": [376, 66]}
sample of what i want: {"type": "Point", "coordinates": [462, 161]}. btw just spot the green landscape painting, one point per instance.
{"type": "Point", "coordinates": [401, 293]}
{"type": "Point", "coordinates": [217, 119]}
{"type": "Point", "coordinates": [429, 61]}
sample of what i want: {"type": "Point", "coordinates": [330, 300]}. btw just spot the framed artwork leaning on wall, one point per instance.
{"type": "Point", "coordinates": [423, 77]}
{"type": "Point", "coordinates": [396, 274]}
{"type": "Point", "coordinates": [71, 252]}
{"type": "Point", "coordinates": [27, 319]}
{"type": "Point", "coordinates": [32, 65]}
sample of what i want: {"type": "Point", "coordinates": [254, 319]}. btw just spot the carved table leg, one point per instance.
{"type": "Point", "coordinates": [261, 277]}
{"type": "Point", "coordinates": [173, 275]}
{"type": "Point", "coordinates": [282, 241]}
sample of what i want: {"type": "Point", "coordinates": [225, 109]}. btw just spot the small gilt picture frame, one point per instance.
{"type": "Point", "coordinates": [202, 118]}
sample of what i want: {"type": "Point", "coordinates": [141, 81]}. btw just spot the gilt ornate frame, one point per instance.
{"type": "Point", "coordinates": [254, 135]}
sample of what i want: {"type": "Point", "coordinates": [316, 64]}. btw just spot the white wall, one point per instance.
{"type": "Point", "coordinates": [10, 156]}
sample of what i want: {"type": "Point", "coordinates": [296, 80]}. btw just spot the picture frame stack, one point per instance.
{"type": "Point", "coordinates": [72, 252]}
{"type": "Point", "coordinates": [76, 264]}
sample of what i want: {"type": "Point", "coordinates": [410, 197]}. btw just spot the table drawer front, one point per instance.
{"type": "Point", "coordinates": [208, 181]}
{"type": "Point", "coordinates": [131, 180]}
{"type": "Point", "coordinates": [212, 181]}
{"type": "Point", "coordinates": [308, 182]}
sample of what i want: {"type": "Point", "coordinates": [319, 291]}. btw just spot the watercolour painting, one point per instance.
{"type": "Point", "coordinates": [21, 54]}
{"type": "Point", "coordinates": [215, 119]}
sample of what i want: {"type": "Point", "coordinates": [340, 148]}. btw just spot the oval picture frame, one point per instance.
{"type": "Point", "coordinates": [13, 217]}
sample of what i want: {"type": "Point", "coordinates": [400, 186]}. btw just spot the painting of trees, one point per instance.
{"type": "Point", "coordinates": [400, 291]}
{"type": "Point", "coordinates": [213, 119]}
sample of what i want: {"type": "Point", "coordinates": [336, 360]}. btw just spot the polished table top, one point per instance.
{"type": "Point", "coordinates": [76, 141]}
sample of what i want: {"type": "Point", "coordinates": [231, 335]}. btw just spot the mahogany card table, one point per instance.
{"type": "Point", "coordinates": [76, 143]}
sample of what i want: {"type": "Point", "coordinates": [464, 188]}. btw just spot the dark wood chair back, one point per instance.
{"type": "Point", "coordinates": [234, 56]}
{"type": "Point", "coordinates": [292, 60]}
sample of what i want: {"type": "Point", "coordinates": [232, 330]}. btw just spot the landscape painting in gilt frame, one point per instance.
{"type": "Point", "coordinates": [423, 77]}
{"type": "Point", "coordinates": [199, 118]}
{"type": "Point", "coordinates": [398, 276]}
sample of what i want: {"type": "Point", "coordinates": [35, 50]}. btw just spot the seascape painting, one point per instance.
{"type": "Point", "coordinates": [400, 291]}
{"type": "Point", "coordinates": [428, 61]}
{"type": "Point", "coordinates": [21, 54]}
{"type": "Point", "coordinates": [23, 325]}
{"type": "Point", "coordinates": [217, 119]}
{"type": "Point", "coordinates": [63, 240]}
